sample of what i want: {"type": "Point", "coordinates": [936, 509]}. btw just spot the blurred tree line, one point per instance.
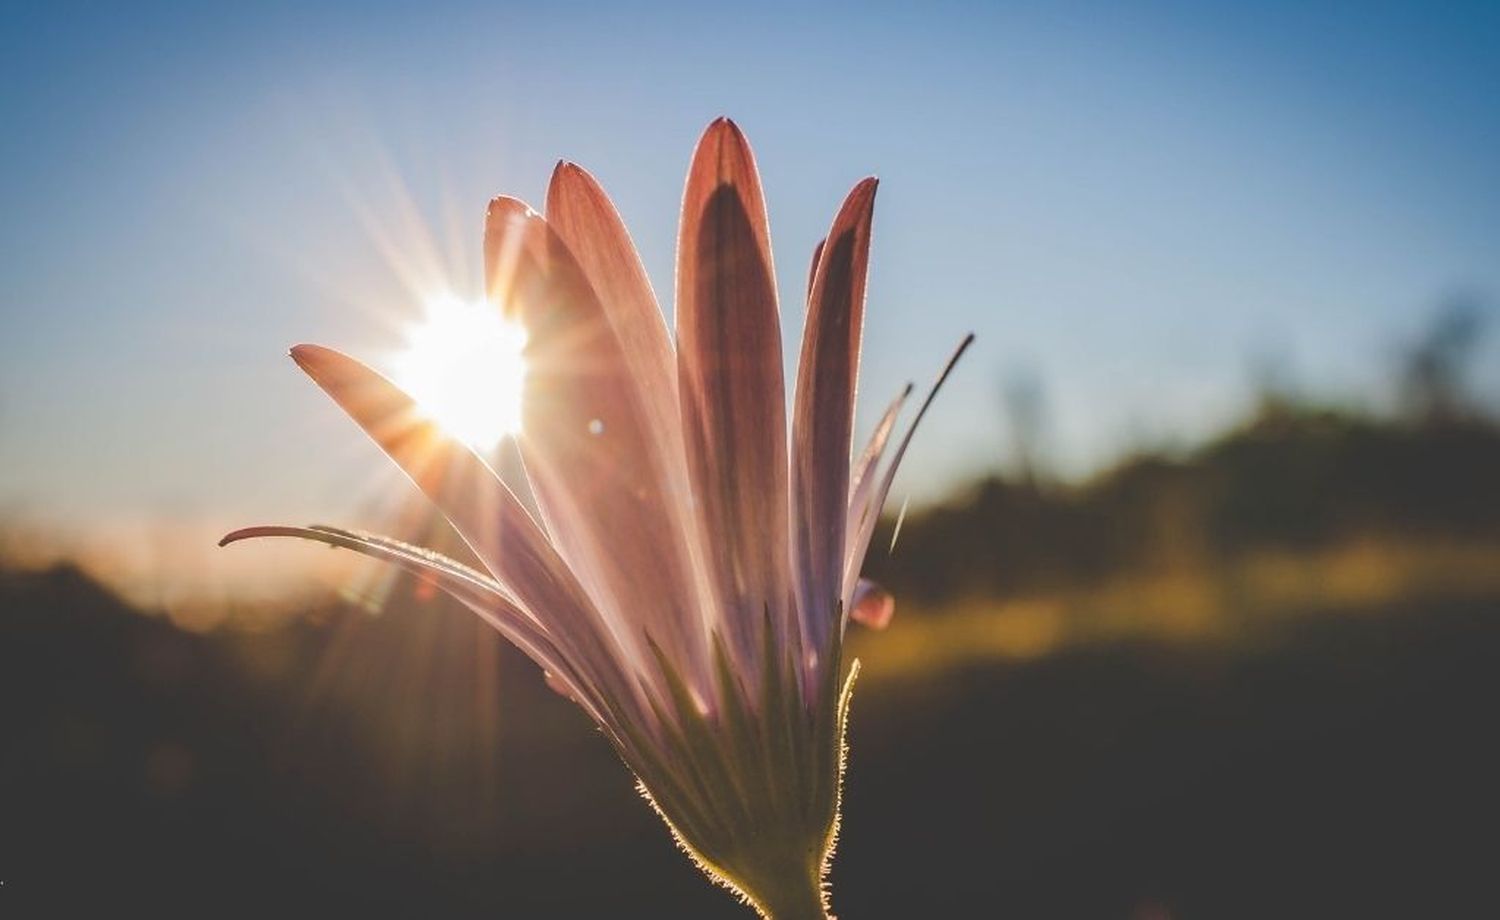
{"type": "Point", "coordinates": [1292, 476]}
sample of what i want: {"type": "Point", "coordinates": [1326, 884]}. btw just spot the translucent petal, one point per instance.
{"type": "Point", "coordinates": [823, 423]}
{"type": "Point", "coordinates": [602, 475]}
{"type": "Point", "coordinates": [731, 389]}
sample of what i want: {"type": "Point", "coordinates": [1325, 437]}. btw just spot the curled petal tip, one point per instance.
{"type": "Point", "coordinates": [863, 193]}
{"type": "Point", "coordinates": [723, 130]}
{"type": "Point", "coordinates": [566, 168]}
{"type": "Point", "coordinates": [246, 533]}
{"type": "Point", "coordinates": [569, 179]}
{"type": "Point", "coordinates": [315, 360]}
{"type": "Point", "coordinates": [873, 606]}
{"type": "Point", "coordinates": [508, 206]}
{"type": "Point", "coordinates": [559, 685]}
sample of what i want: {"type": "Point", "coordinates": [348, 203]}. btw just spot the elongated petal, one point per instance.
{"type": "Point", "coordinates": [860, 540]}
{"type": "Point", "coordinates": [873, 606]}
{"type": "Point", "coordinates": [483, 511]}
{"type": "Point", "coordinates": [812, 268]}
{"type": "Point", "coordinates": [862, 482]}
{"type": "Point", "coordinates": [730, 385]}
{"type": "Point", "coordinates": [582, 215]}
{"type": "Point", "coordinates": [602, 475]}
{"type": "Point", "coordinates": [473, 589]}
{"type": "Point", "coordinates": [823, 424]}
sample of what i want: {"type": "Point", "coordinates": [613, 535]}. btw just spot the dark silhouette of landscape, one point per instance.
{"type": "Point", "coordinates": [1344, 766]}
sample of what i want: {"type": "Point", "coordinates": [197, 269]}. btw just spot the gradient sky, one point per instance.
{"type": "Point", "coordinates": [1134, 203]}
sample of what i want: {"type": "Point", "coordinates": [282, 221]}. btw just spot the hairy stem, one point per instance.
{"type": "Point", "coordinates": [797, 898]}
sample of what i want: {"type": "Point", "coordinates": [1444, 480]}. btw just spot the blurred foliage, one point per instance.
{"type": "Point", "coordinates": [1295, 476]}
{"type": "Point", "coordinates": [1291, 478]}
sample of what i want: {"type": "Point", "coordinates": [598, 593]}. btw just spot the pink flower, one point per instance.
{"type": "Point", "coordinates": [690, 579]}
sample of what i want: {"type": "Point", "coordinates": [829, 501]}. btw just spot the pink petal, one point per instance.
{"type": "Point", "coordinates": [812, 268]}
{"type": "Point", "coordinates": [823, 423]}
{"type": "Point", "coordinates": [873, 606]}
{"type": "Point", "coordinates": [862, 486]}
{"type": "Point", "coordinates": [473, 589]}
{"type": "Point", "coordinates": [606, 480]}
{"type": "Point", "coordinates": [582, 215]}
{"type": "Point", "coordinates": [483, 511]}
{"type": "Point", "coordinates": [730, 385]}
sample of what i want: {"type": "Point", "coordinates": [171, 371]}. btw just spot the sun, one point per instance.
{"type": "Point", "coordinates": [463, 363]}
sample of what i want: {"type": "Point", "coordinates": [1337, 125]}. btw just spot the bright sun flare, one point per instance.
{"type": "Point", "coordinates": [463, 365]}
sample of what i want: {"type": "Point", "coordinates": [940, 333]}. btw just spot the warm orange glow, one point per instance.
{"type": "Point", "coordinates": [463, 365]}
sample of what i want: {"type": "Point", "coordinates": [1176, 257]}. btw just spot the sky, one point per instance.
{"type": "Point", "coordinates": [1135, 205]}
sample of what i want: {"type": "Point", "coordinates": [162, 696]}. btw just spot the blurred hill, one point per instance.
{"type": "Point", "coordinates": [1296, 479]}
{"type": "Point", "coordinates": [1292, 479]}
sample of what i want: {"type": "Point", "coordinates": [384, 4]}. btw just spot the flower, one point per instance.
{"type": "Point", "coordinates": [690, 579]}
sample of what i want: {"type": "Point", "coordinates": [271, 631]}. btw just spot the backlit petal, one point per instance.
{"type": "Point", "coordinates": [862, 485]}
{"type": "Point", "coordinates": [822, 426]}
{"type": "Point", "coordinates": [731, 388]}
{"type": "Point", "coordinates": [473, 589]}
{"type": "Point", "coordinates": [483, 511]}
{"type": "Point", "coordinates": [873, 606]}
{"type": "Point", "coordinates": [812, 267]}
{"type": "Point", "coordinates": [602, 474]}
{"type": "Point", "coordinates": [582, 215]}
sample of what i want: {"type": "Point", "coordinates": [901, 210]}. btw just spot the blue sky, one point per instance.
{"type": "Point", "coordinates": [1134, 203]}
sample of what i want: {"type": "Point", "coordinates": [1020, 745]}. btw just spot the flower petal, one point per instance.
{"type": "Point", "coordinates": [823, 424]}
{"type": "Point", "coordinates": [479, 506]}
{"type": "Point", "coordinates": [730, 384]}
{"type": "Point", "coordinates": [473, 589]}
{"type": "Point", "coordinates": [862, 482]}
{"type": "Point", "coordinates": [860, 541]}
{"type": "Point", "coordinates": [580, 212]}
{"type": "Point", "coordinates": [601, 471]}
{"type": "Point", "coordinates": [873, 606]}
{"type": "Point", "coordinates": [582, 215]}
{"type": "Point", "coordinates": [812, 268]}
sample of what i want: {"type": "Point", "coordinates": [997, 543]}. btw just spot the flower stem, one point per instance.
{"type": "Point", "coordinates": [795, 898]}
